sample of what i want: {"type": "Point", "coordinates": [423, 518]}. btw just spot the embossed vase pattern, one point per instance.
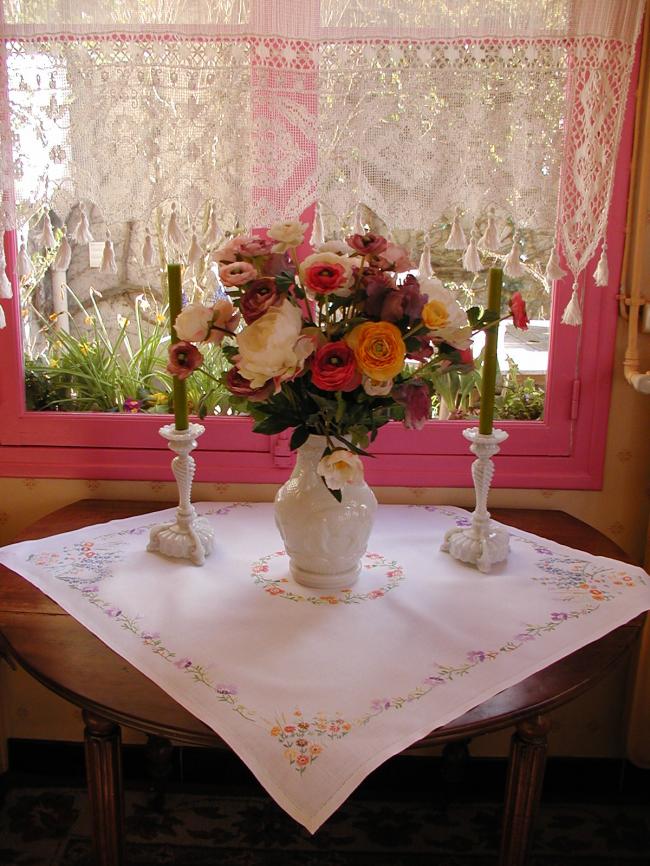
{"type": "Point", "coordinates": [325, 539]}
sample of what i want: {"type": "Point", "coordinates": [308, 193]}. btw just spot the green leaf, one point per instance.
{"type": "Point", "coordinates": [299, 436]}
{"type": "Point", "coordinates": [270, 426]}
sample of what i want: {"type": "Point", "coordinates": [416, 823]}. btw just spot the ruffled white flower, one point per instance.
{"type": "Point", "coordinates": [193, 323]}
{"type": "Point", "coordinates": [340, 248]}
{"type": "Point", "coordinates": [339, 468]}
{"type": "Point", "coordinates": [376, 389]}
{"type": "Point", "coordinates": [267, 347]}
{"type": "Point", "coordinates": [289, 234]}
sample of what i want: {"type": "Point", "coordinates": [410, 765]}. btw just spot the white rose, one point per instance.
{"type": "Point", "coordinates": [193, 323]}
{"type": "Point", "coordinates": [339, 468]}
{"type": "Point", "coordinates": [267, 346]}
{"type": "Point", "coordinates": [289, 234]}
{"type": "Point", "coordinates": [376, 389]}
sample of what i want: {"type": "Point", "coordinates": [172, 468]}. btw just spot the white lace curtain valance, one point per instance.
{"type": "Point", "coordinates": [259, 108]}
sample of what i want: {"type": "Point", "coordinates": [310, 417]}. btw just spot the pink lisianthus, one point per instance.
{"type": "Point", "coordinates": [416, 399]}
{"type": "Point", "coordinates": [245, 246]}
{"type": "Point", "coordinates": [224, 321]}
{"type": "Point", "coordinates": [518, 309]}
{"type": "Point", "coordinates": [241, 387]}
{"type": "Point", "coordinates": [395, 258]}
{"type": "Point", "coordinates": [237, 273]}
{"type": "Point", "coordinates": [369, 244]}
{"type": "Point", "coordinates": [184, 359]}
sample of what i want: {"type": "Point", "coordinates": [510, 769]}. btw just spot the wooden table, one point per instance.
{"type": "Point", "coordinates": [60, 653]}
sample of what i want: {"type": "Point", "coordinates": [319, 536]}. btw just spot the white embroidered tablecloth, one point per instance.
{"type": "Point", "coordinates": [311, 691]}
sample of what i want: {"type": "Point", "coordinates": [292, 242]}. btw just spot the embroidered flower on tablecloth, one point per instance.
{"type": "Point", "coordinates": [393, 574]}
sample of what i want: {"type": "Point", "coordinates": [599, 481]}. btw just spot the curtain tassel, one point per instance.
{"type": "Point", "coordinates": [471, 259]}
{"type": "Point", "coordinates": [47, 235]}
{"type": "Point", "coordinates": [424, 268]}
{"type": "Point", "coordinates": [108, 265]}
{"type": "Point", "coordinates": [175, 234]}
{"type": "Point", "coordinates": [572, 313]}
{"type": "Point", "coordinates": [553, 269]}
{"type": "Point", "coordinates": [196, 252]}
{"type": "Point", "coordinates": [490, 237]}
{"type": "Point", "coordinates": [82, 233]}
{"type": "Point", "coordinates": [359, 227]}
{"type": "Point", "coordinates": [3, 320]}
{"type": "Point", "coordinates": [148, 254]}
{"type": "Point", "coordinates": [24, 263]}
{"type": "Point", "coordinates": [512, 267]}
{"type": "Point", "coordinates": [601, 274]}
{"type": "Point", "coordinates": [317, 238]}
{"type": "Point", "coordinates": [456, 239]}
{"type": "Point", "coordinates": [63, 255]}
{"type": "Point", "coordinates": [214, 233]}
{"type": "Point", "coordinates": [6, 292]}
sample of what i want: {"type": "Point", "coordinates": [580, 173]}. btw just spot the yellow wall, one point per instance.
{"type": "Point", "coordinates": [594, 725]}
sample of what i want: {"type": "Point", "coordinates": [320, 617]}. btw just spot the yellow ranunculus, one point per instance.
{"type": "Point", "coordinates": [378, 348]}
{"type": "Point", "coordinates": [435, 315]}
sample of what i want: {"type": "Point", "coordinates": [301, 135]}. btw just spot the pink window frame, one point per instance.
{"type": "Point", "coordinates": [564, 451]}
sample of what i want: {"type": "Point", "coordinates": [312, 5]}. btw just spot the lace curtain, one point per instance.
{"type": "Point", "coordinates": [252, 110]}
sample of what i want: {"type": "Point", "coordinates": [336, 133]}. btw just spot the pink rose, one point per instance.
{"type": "Point", "coordinates": [184, 359]}
{"type": "Point", "coordinates": [258, 297]}
{"type": "Point", "coordinates": [237, 273]}
{"type": "Point", "coordinates": [254, 246]}
{"type": "Point", "coordinates": [368, 245]}
{"type": "Point", "coordinates": [241, 387]}
{"type": "Point", "coordinates": [333, 368]}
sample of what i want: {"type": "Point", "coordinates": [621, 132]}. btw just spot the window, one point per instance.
{"type": "Point", "coordinates": [361, 109]}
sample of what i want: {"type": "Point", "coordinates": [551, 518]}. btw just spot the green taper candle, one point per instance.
{"type": "Point", "coordinates": [489, 376]}
{"type": "Point", "coordinates": [174, 284]}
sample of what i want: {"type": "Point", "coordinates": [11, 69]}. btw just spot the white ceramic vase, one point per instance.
{"type": "Point", "coordinates": [325, 539]}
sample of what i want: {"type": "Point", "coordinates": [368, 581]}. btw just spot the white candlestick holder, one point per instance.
{"type": "Point", "coordinates": [483, 543]}
{"type": "Point", "coordinates": [188, 537]}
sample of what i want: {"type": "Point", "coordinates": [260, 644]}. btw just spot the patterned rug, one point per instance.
{"type": "Point", "coordinates": [51, 827]}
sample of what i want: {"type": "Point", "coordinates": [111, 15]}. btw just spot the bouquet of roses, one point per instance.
{"type": "Point", "coordinates": [336, 344]}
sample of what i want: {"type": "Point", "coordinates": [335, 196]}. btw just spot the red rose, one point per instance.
{"type": "Point", "coordinates": [325, 277]}
{"type": "Point", "coordinates": [258, 297]}
{"type": "Point", "coordinates": [333, 368]}
{"type": "Point", "coordinates": [241, 387]}
{"type": "Point", "coordinates": [368, 245]}
{"type": "Point", "coordinates": [184, 359]}
{"type": "Point", "coordinates": [518, 309]}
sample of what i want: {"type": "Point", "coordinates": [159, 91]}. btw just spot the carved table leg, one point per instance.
{"type": "Point", "coordinates": [104, 775]}
{"type": "Point", "coordinates": [159, 759]}
{"type": "Point", "coordinates": [455, 763]}
{"type": "Point", "coordinates": [523, 789]}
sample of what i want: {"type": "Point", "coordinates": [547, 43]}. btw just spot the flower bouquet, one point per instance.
{"type": "Point", "coordinates": [333, 345]}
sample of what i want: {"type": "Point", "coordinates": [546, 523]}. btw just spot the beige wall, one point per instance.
{"type": "Point", "coordinates": [593, 725]}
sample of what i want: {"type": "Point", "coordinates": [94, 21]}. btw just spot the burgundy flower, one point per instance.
{"type": "Point", "coordinates": [416, 399]}
{"type": "Point", "coordinates": [132, 405]}
{"type": "Point", "coordinates": [241, 387]}
{"type": "Point", "coordinates": [368, 245]}
{"type": "Point", "coordinates": [424, 351]}
{"type": "Point", "coordinates": [333, 368]}
{"type": "Point", "coordinates": [518, 309]}
{"type": "Point", "coordinates": [258, 297]}
{"type": "Point", "coordinates": [405, 300]}
{"type": "Point", "coordinates": [377, 285]}
{"type": "Point", "coordinates": [184, 359]}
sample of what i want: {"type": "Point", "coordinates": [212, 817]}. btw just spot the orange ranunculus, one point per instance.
{"type": "Point", "coordinates": [378, 348]}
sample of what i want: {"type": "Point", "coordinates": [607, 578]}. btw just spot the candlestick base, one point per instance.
{"type": "Point", "coordinates": [188, 537]}
{"type": "Point", "coordinates": [483, 544]}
